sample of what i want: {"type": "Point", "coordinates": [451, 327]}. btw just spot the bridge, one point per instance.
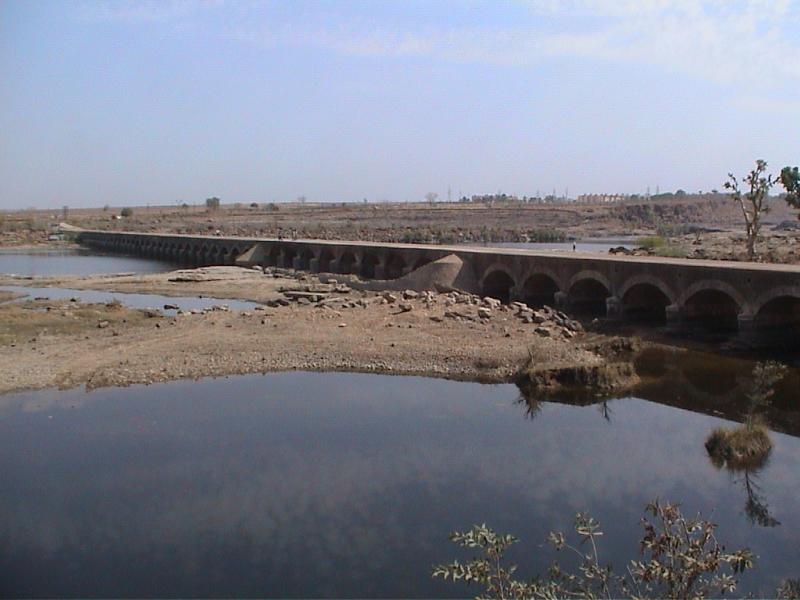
{"type": "Point", "coordinates": [716, 295]}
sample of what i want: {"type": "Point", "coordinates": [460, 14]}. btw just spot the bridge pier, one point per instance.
{"type": "Point", "coordinates": [748, 331]}
{"type": "Point", "coordinates": [313, 265]}
{"type": "Point", "coordinates": [562, 301]}
{"type": "Point", "coordinates": [674, 315]}
{"type": "Point", "coordinates": [614, 308]}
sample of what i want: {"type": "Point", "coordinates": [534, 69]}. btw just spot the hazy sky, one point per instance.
{"type": "Point", "coordinates": [176, 100]}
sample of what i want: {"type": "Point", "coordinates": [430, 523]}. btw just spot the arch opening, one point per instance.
{"type": "Point", "coordinates": [368, 264]}
{"type": "Point", "coordinates": [645, 302]}
{"type": "Point", "coordinates": [325, 259]}
{"type": "Point", "coordinates": [779, 321]}
{"type": "Point", "coordinates": [712, 310]}
{"type": "Point", "coordinates": [498, 284]}
{"type": "Point", "coordinates": [304, 259]}
{"type": "Point", "coordinates": [395, 266]}
{"type": "Point", "coordinates": [288, 257]}
{"type": "Point", "coordinates": [588, 297]}
{"type": "Point", "coordinates": [347, 263]}
{"type": "Point", "coordinates": [539, 290]}
{"type": "Point", "coordinates": [271, 257]}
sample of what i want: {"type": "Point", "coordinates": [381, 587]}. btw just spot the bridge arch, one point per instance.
{"type": "Point", "coordinates": [778, 315]}
{"type": "Point", "coordinates": [347, 262]}
{"type": "Point", "coordinates": [587, 293]}
{"type": "Point", "coordinates": [304, 258]}
{"type": "Point", "coordinates": [646, 298]}
{"type": "Point", "coordinates": [367, 267]}
{"type": "Point", "coordinates": [288, 254]}
{"type": "Point", "coordinates": [498, 284]}
{"type": "Point", "coordinates": [324, 260]}
{"type": "Point", "coordinates": [713, 305]}
{"type": "Point", "coordinates": [540, 288]}
{"type": "Point", "coordinates": [395, 265]}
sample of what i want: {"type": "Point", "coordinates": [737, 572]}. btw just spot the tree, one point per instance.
{"type": "Point", "coordinates": [431, 197]}
{"type": "Point", "coordinates": [790, 179]}
{"type": "Point", "coordinates": [212, 203]}
{"type": "Point", "coordinates": [752, 202]}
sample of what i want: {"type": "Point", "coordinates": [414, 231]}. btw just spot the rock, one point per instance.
{"type": "Point", "coordinates": [342, 325]}
{"type": "Point", "coordinates": [405, 307]}
{"type": "Point", "coordinates": [171, 307]}
{"type": "Point", "coordinates": [543, 331]}
{"type": "Point", "coordinates": [484, 313]}
{"type": "Point", "coordinates": [436, 319]}
{"type": "Point", "coordinates": [410, 294]}
{"type": "Point", "coordinates": [492, 302]}
{"type": "Point", "coordinates": [304, 301]}
{"type": "Point", "coordinates": [103, 324]}
{"type": "Point", "coordinates": [389, 297]}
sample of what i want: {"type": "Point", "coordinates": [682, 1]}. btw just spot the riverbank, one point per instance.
{"type": "Point", "coordinates": [304, 324]}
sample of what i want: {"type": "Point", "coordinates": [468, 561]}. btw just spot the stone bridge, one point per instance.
{"type": "Point", "coordinates": [711, 294]}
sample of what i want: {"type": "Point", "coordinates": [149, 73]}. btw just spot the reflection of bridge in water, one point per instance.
{"type": "Point", "coordinates": [725, 296]}
{"type": "Point", "coordinates": [698, 382]}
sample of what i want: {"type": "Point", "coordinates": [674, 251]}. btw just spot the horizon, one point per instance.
{"type": "Point", "coordinates": [140, 102]}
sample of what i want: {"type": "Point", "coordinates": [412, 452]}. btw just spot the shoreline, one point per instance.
{"type": "Point", "coordinates": [59, 343]}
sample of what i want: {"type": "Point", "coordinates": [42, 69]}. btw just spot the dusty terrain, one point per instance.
{"type": "Point", "coordinates": [45, 343]}
{"type": "Point", "coordinates": [702, 226]}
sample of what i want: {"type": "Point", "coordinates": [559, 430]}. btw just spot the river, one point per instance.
{"type": "Point", "coordinates": [340, 485]}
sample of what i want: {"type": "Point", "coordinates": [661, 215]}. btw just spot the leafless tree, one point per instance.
{"type": "Point", "coordinates": [752, 202]}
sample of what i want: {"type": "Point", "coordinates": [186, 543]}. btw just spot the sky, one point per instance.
{"type": "Point", "coordinates": [170, 101]}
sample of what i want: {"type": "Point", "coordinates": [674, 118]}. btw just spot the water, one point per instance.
{"type": "Point", "coordinates": [345, 485]}
{"type": "Point", "coordinates": [130, 300]}
{"type": "Point", "coordinates": [75, 262]}
{"type": "Point", "coordinates": [587, 245]}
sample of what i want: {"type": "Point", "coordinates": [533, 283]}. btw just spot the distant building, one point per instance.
{"type": "Point", "coordinates": [602, 198]}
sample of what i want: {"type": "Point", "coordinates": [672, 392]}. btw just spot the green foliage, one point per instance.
{"type": "Point", "coordinates": [752, 202]}
{"type": "Point", "coordinates": [651, 242]}
{"type": "Point", "coordinates": [790, 180]}
{"type": "Point", "coordinates": [212, 203]}
{"type": "Point", "coordinates": [680, 558]}
{"type": "Point", "coordinates": [126, 212]}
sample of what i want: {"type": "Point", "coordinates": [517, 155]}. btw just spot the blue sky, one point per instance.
{"type": "Point", "coordinates": [135, 102]}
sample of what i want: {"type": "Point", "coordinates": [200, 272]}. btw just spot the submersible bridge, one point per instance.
{"type": "Point", "coordinates": [725, 295]}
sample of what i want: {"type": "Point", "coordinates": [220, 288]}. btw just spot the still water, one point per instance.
{"type": "Point", "coordinates": [130, 300]}
{"type": "Point", "coordinates": [342, 485]}
{"type": "Point", "coordinates": [74, 262]}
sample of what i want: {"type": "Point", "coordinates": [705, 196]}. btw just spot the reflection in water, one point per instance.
{"type": "Point", "coordinates": [340, 485]}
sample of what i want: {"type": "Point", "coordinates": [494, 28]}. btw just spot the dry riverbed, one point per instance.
{"type": "Point", "coordinates": [303, 324]}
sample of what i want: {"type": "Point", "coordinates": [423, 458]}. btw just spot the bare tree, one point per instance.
{"type": "Point", "coordinates": [431, 197]}
{"type": "Point", "coordinates": [752, 202]}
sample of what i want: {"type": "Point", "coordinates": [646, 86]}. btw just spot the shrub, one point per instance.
{"type": "Point", "coordinates": [669, 540]}
{"type": "Point", "coordinates": [126, 212]}
{"type": "Point", "coordinates": [739, 449]}
{"type": "Point", "coordinates": [651, 242]}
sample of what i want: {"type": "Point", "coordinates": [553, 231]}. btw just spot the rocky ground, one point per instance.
{"type": "Point", "coordinates": [304, 323]}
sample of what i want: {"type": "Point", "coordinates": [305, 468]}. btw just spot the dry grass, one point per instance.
{"type": "Point", "coordinates": [33, 319]}
{"type": "Point", "coordinates": [742, 448]}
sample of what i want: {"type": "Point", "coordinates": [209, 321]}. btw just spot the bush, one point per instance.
{"type": "Point", "coordinates": [669, 540]}
{"type": "Point", "coordinates": [651, 242]}
{"type": "Point", "coordinates": [739, 449]}
{"type": "Point", "coordinates": [126, 212]}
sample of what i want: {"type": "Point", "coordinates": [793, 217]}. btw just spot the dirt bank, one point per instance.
{"type": "Point", "coordinates": [305, 325]}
